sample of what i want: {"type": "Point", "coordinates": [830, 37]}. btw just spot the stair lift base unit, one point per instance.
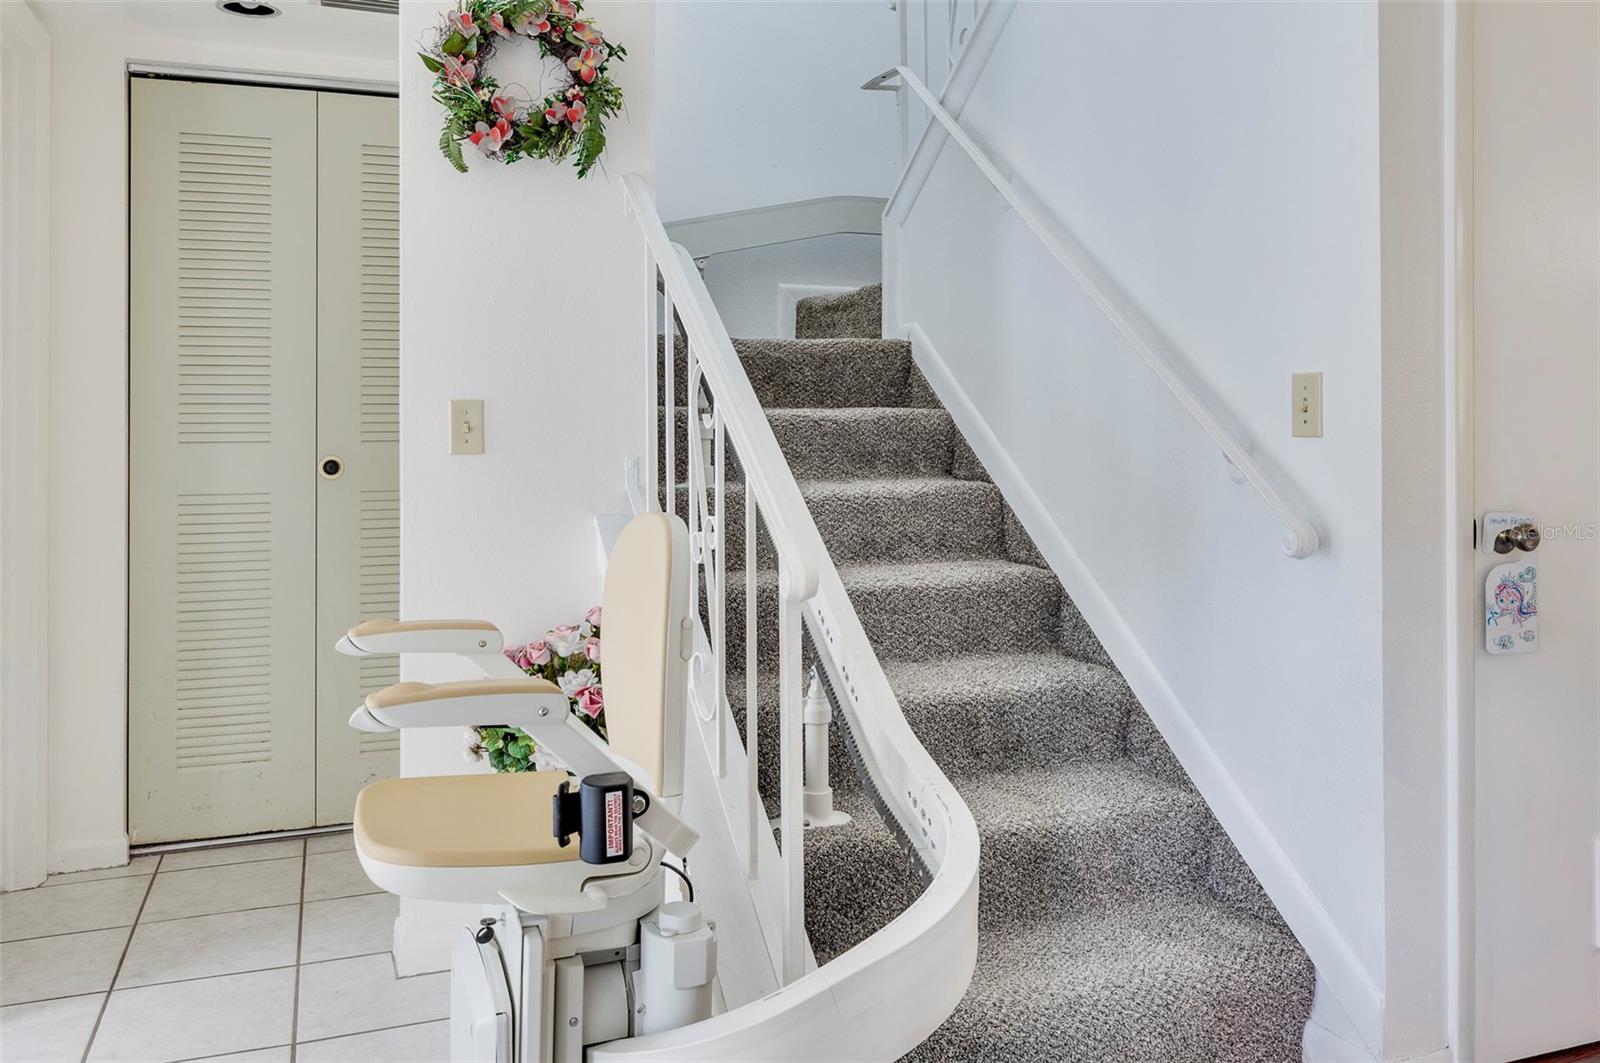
{"type": "Point", "coordinates": [568, 953]}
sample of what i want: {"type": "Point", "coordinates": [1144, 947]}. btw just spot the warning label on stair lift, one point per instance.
{"type": "Point", "coordinates": [614, 823]}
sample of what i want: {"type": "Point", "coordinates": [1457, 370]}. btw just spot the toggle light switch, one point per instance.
{"type": "Point", "coordinates": [466, 426]}
{"type": "Point", "coordinates": [1306, 413]}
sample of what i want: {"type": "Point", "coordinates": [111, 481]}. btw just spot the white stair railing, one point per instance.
{"type": "Point", "coordinates": [853, 1007]}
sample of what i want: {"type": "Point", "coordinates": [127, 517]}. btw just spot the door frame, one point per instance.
{"type": "Point", "coordinates": [1460, 603]}
{"type": "Point", "coordinates": [24, 615]}
{"type": "Point", "coordinates": [214, 74]}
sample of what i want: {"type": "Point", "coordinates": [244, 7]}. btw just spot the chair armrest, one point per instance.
{"type": "Point", "coordinates": [376, 637]}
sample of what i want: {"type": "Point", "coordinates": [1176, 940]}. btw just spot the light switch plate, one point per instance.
{"type": "Point", "coordinates": [466, 426]}
{"type": "Point", "coordinates": [1306, 411]}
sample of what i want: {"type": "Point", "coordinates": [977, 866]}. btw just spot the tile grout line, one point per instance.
{"type": "Point", "coordinates": [299, 950]}
{"type": "Point", "coordinates": [322, 1040]}
{"type": "Point", "coordinates": [111, 986]}
{"type": "Point", "coordinates": [213, 977]}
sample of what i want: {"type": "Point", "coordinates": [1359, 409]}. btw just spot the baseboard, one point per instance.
{"type": "Point", "coordinates": [88, 855]}
{"type": "Point", "coordinates": [1337, 966]}
{"type": "Point", "coordinates": [1330, 1036]}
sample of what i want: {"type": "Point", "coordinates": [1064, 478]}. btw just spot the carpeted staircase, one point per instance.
{"type": "Point", "coordinates": [1117, 922]}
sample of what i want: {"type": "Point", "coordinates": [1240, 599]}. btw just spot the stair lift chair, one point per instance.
{"type": "Point", "coordinates": [575, 946]}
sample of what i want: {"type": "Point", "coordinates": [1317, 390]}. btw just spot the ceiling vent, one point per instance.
{"type": "Point", "coordinates": [377, 7]}
{"type": "Point", "coordinates": [248, 8]}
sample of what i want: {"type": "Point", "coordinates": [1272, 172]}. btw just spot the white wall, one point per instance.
{"type": "Point", "coordinates": [760, 103]}
{"type": "Point", "coordinates": [541, 315]}
{"type": "Point", "coordinates": [88, 456]}
{"type": "Point", "coordinates": [745, 284]}
{"type": "Point", "coordinates": [1222, 162]}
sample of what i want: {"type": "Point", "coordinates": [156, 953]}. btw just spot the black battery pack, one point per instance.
{"type": "Point", "coordinates": [600, 812]}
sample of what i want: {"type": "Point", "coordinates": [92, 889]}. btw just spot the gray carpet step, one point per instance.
{"type": "Point", "coordinates": [1179, 979]}
{"type": "Point", "coordinates": [871, 442]}
{"type": "Point", "coordinates": [858, 313]}
{"type": "Point", "coordinates": [925, 610]}
{"type": "Point", "coordinates": [811, 374]}
{"type": "Point", "coordinates": [998, 712]}
{"type": "Point", "coordinates": [843, 910]}
{"type": "Point", "coordinates": [895, 520]}
{"type": "Point", "coordinates": [1055, 837]}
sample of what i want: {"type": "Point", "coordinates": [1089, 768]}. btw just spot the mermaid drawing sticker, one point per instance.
{"type": "Point", "coordinates": [1511, 609]}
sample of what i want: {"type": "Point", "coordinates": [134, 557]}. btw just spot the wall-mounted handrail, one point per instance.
{"type": "Point", "coordinates": [1301, 538]}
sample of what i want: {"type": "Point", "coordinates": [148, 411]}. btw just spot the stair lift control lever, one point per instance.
{"type": "Point", "coordinates": [601, 813]}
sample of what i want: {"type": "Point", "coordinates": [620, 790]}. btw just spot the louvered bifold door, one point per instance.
{"type": "Point", "coordinates": [358, 424]}
{"type": "Point", "coordinates": [222, 478]}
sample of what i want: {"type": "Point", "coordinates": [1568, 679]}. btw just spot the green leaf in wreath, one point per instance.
{"type": "Point", "coordinates": [454, 44]}
{"type": "Point", "coordinates": [451, 147]}
{"type": "Point", "coordinates": [430, 62]}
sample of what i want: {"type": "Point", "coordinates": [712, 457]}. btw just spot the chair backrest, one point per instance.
{"type": "Point", "coordinates": [645, 629]}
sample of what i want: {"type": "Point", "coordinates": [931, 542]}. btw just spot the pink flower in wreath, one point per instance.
{"type": "Point", "coordinates": [591, 701]}
{"type": "Point", "coordinates": [565, 8]}
{"type": "Point", "coordinates": [504, 106]}
{"type": "Point", "coordinates": [533, 23]}
{"type": "Point", "coordinates": [461, 22]}
{"type": "Point", "coordinates": [497, 22]}
{"type": "Point", "coordinates": [538, 652]}
{"type": "Point", "coordinates": [592, 616]}
{"type": "Point", "coordinates": [591, 649]}
{"type": "Point", "coordinates": [587, 63]}
{"type": "Point", "coordinates": [575, 112]}
{"type": "Point", "coordinates": [558, 112]}
{"type": "Point", "coordinates": [458, 73]}
{"type": "Point", "coordinates": [490, 138]}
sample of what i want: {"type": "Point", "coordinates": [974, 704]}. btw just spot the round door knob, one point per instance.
{"type": "Point", "coordinates": [1521, 537]}
{"type": "Point", "coordinates": [331, 468]}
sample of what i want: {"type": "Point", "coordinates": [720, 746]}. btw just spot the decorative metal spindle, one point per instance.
{"type": "Point", "coordinates": [650, 475]}
{"type": "Point", "coordinates": [693, 457]}
{"type": "Point", "coordinates": [719, 613]}
{"type": "Point", "coordinates": [758, 818]}
{"type": "Point", "coordinates": [669, 471]}
{"type": "Point", "coordinates": [791, 793]}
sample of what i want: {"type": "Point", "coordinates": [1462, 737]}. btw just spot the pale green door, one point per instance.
{"type": "Point", "coordinates": [262, 340]}
{"type": "Point", "coordinates": [358, 424]}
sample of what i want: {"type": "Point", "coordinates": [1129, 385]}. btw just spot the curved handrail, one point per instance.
{"type": "Point", "coordinates": [1301, 538]}
{"type": "Point", "coordinates": [852, 1007]}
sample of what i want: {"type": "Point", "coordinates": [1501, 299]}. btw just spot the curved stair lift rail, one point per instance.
{"type": "Point", "coordinates": [1300, 538]}
{"type": "Point", "coordinates": [886, 995]}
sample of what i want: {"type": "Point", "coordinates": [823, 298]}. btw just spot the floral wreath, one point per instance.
{"type": "Point", "coordinates": [569, 121]}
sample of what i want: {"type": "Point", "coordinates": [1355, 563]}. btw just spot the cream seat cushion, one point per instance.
{"type": "Point", "coordinates": [461, 821]}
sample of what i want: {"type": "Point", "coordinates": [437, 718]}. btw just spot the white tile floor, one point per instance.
{"type": "Point", "coordinates": [271, 951]}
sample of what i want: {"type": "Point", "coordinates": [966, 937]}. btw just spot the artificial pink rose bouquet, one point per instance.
{"type": "Point", "coordinates": [569, 656]}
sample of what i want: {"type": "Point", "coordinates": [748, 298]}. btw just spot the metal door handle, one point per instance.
{"type": "Point", "coordinates": [1520, 537]}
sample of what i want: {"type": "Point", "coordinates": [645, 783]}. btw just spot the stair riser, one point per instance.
{"type": "Point", "coordinates": [866, 444]}
{"type": "Point", "coordinates": [921, 622]}
{"type": "Point", "coordinates": [995, 734]}
{"type": "Point", "coordinates": [949, 520]}
{"type": "Point", "coordinates": [819, 374]}
{"type": "Point", "coordinates": [1044, 867]}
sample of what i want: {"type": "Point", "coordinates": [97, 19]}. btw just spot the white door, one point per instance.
{"type": "Point", "coordinates": [262, 342]}
{"type": "Point", "coordinates": [1536, 329]}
